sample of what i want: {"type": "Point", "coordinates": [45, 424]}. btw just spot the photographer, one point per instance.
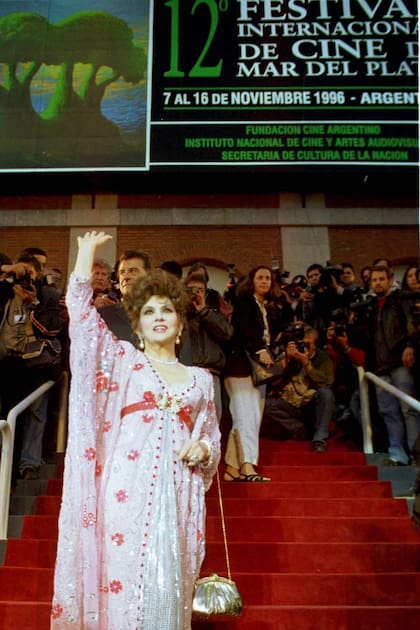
{"type": "Point", "coordinates": [328, 296]}
{"type": "Point", "coordinates": [284, 300]}
{"type": "Point", "coordinates": [347, 278]}
{"type": "Point", "coordinates": [345, 357]}
{"type": "Point", "coordinates": [103, 294]}
{"type": "Point", "coordinates": [295, 289]}
{"type": "Point", "coordinates": [24, 301]}
{"type": "Point", "coordinates": [214, 299]}
{"type": "Point", "coordinates": [304, 389]}
{"type": "Point", "coordinates": [205, 330]}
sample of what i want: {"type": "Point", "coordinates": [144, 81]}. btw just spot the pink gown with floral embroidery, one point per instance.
{"type": "Point", "coordinates": [132, 519]}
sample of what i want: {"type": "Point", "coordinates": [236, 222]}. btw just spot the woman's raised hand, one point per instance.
{"type": "Point", "coordinates": [86, 254]}
{"type": "Point", "coordinates": [93, 238]}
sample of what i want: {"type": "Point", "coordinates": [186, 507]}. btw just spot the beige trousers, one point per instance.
{"type": "Point", "coordinates": [246, 406]}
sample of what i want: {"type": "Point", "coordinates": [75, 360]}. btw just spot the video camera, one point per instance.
{"type": "Point", "coordinates": [231, 274]}
{"type": "Point", "coordinates": [279, 276]}
{"type": "Point", "coordinates": [328, 273]}
{"type": "Point", "coordinates": [229, 294]}
{"type": "Point", "coordinates": [362, 301]}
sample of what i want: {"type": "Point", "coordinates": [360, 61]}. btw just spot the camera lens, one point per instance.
{"type": "Point", "coordinates": [24, 281]}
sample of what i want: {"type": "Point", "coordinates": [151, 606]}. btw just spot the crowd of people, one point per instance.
{"type": "Point", "coordinates": [319, 327]}
{"type": "Point", "coordinates": [30, 307]}
{"type": "Point", "coordinates": [374, 324]}
{"type": "Point", "coordinates": [155, 361]}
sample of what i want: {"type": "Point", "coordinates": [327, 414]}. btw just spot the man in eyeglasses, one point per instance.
{"type": "Point", "coordinates": [206, 329]}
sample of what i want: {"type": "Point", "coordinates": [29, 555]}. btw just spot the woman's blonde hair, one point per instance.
{"type": "Point", "coordinates": [159, 283]}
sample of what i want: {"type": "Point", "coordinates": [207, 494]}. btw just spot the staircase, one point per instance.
{"type": "Point", "coordinates": [324, 545]}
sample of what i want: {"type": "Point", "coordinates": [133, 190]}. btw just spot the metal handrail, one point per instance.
{"type": "Point", "coordinates": [64, 382]}
{"type": "Point", "coordinates": [7, 429]}
{"type": "Point", "coordinates": [364, 377]}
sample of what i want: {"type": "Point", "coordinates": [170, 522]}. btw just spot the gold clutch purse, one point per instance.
{"type": "Point", "coordinates": [217, 598]}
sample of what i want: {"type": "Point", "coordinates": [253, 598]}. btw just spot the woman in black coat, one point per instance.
{"type": "Point", "coordinates": [246, 402]}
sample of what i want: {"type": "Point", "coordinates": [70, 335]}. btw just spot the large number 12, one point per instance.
{"type": "Point", "coordinates": [198, 70]}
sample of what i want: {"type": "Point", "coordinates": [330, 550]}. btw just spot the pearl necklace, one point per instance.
{"type": "Point", "coordinates": [172, 362]}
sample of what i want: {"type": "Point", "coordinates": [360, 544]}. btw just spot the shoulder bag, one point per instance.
{"type": "Point", "coordinates": [261, 373]}
{"type": "Point", "coordinates": [40, 352]}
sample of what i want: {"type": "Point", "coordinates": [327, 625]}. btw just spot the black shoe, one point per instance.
{"type": "Point", "coordinates": [29, 473]}
{"type": "Point", "coordinates": [253, 477]}
{"type": "Point", "coordinates": [319, 446]}
{"type": "Point", "coordinates": [393, 462]}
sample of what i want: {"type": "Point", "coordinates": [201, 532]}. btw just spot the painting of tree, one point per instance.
{"type": "Point", "coordinates": [75, 63]}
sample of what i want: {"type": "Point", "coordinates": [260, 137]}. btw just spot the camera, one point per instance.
{"type": "Point", "coordinates": [194, 294]}
{"type": "Point", "coordinates": [192, 291]}
{"type": "Point", "coordinates": [113, 295]}
{"type": "Point", "coordinates": [295, 333]}
{"type": "Point", "coordinates": [25, 281]}
{"type": "Point", "coordinates": [340, 330]}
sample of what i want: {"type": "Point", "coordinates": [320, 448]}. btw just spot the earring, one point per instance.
{"type": "Point", "coordinates": [178, 339]}
{"type": "Point", "coordinates": [141, 342]}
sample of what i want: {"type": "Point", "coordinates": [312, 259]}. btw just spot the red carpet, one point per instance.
{"type": "Point", "coordinates": [323, 546]}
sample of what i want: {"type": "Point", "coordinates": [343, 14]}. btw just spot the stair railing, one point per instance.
{"type": "Point", "coordinates": [7, 429]}
{"type": "Point", "coordinates": [63, 382]}
{"type": "Point", "coordinates": [364, 378]}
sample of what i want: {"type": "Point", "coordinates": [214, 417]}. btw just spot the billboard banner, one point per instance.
{"type": "Point", "coordinates": [173, 85]}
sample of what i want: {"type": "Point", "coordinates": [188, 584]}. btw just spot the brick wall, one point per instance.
{"type": "Point", "coordinates": [217, 246]}
{"type": "Point", "coordinates": [361, 245]}
{"type": "Point", "coordinates": [55, 241]}
{"type": "Point", "coordinates": [242, 245]}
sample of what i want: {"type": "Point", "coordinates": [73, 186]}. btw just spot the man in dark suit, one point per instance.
{"type": "Point", "coordinates": [132, 264]}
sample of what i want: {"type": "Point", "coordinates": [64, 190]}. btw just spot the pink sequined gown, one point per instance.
{"type": "Point", "coordinates": [132, 520]}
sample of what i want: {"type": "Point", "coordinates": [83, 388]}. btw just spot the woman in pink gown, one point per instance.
{"type": "Point", "coordinates": [143, 447]}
